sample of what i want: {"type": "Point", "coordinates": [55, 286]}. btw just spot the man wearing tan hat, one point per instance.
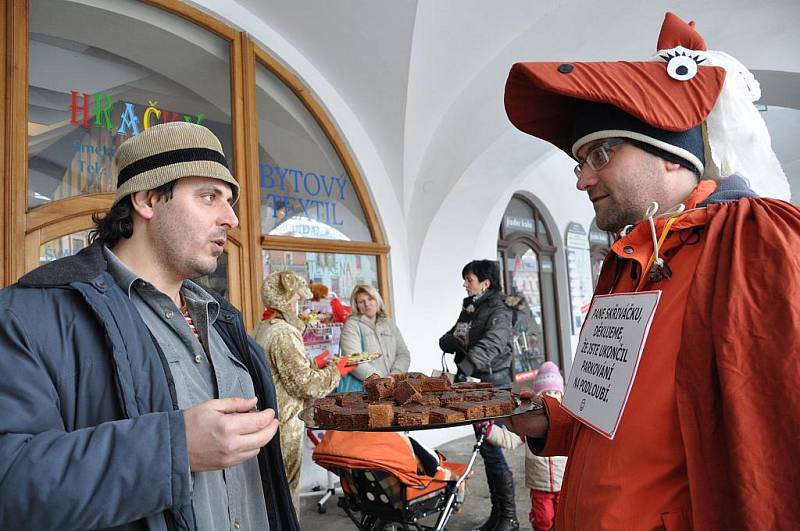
{"type": "Point", "coordinates": [676, 160]}
{"type": "Point", "coordinates": [133, 397]}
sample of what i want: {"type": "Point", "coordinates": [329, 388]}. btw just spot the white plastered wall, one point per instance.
{"type": "Point", "coordinates": [466, 222]}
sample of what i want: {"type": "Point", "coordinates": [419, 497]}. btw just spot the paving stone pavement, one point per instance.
{"type": "Point", "coordinates": [473, 512]}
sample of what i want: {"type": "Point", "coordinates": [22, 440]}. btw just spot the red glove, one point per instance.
{"type": "Point", "coordinates": [341, 367]}
{"type": "Point", "coordinates": [321, 360]}
{"type": "Point", "coordinates": [339, 310]}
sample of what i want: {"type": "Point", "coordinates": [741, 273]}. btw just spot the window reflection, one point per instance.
{"type": "Point", "coordinates": [91, 90]}
{"type": "Point", "coordinates": [64, 246]}
{"type": "Point", "coordinates": [305, 190]}
{"type": "Point", "coordinates": [339, 272]}
{"type": "Point", "coordinates": [522, 264]}
{"type": "Point", "coordinates": [526, 251]}
{"type": "Point", "coordinates": [218, 280]}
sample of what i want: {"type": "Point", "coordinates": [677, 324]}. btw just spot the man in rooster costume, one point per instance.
{"type": "Point", "coordinates": [676, 159]}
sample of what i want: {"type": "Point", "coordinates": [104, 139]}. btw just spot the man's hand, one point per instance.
{"type": "Point", "coordinates": [534, 424]}
{"type": "Point", "coordinates": [226, 432]}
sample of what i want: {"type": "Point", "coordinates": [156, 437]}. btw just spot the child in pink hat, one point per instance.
{"type": "Point", "coordinates": [543, 475]}
{"type": "Point", "coordinates": [549, 381]}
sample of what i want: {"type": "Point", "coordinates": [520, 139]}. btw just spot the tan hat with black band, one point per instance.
{"type": "Point", "coordinates": [167, 152]}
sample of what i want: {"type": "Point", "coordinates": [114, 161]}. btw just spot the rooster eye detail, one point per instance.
{"type": "Point", "coordinates": [681, 66]}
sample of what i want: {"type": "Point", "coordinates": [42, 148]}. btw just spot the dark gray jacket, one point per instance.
{"type": "Point", "coordinates": [90, 433]}
{"type": "Point", "coordinates": [488, 352]}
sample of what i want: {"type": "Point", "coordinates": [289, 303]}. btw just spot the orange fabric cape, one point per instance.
{"type": "Point", "coordinates": [738, 371]}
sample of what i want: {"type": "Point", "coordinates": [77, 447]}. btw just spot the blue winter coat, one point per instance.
{"type": "Point", "coordinates": [90, 432]}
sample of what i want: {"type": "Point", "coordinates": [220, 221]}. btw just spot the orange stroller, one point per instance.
{"type": "Point", "coordinates": [383, 483]}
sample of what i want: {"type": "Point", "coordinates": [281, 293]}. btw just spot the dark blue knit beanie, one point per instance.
{"type": "Point", "coordinates": [596, 121]}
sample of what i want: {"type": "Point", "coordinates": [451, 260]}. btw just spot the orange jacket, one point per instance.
{"type": "Point", "coordinates": [715, 389]}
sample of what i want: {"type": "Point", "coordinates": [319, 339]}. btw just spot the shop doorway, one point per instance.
{"type": "Point", "coordinates": [526, 255]}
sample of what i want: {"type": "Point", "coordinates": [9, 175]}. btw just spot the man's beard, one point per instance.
{"type": "Point", "coordinates": [615, 217]}
{"type": "Point", "coordinates": [630, 208]}
{"type": "Point", "coordinates": [185, 265]}
{"type": "Point", "coordinates": [188, 267]}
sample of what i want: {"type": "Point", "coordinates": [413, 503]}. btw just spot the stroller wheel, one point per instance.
{"type": "Point", "coordinates": [321, 509]}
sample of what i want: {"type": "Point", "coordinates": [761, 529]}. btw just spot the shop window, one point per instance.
{"type": "Point", "coordinates": [314, 211]}
{"type": "Point", "coordinates": [99, 74]}
{"type": "Point", "coordinates": [305, 189]}
{"type": "Point", "coordinates": [63, 246]}
{"type": "Point", "coordinates": [526, 255]}
{"type": "Point", "coordinates": [339, 272]}
{"type": "Point", "coordinates": [218, 280]}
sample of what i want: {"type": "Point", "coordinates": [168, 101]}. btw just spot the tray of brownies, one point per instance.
{"type": "Point", "coordinates": [412, 401]}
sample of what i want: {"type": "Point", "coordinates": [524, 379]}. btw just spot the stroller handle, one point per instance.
{"type": "Point", "coordinates": [445, 516]}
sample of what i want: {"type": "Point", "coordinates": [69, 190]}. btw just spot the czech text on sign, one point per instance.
{"type": "Point", "coordinates": [305, 193]}
{"type": "Point", "coordinates": [609, 349]}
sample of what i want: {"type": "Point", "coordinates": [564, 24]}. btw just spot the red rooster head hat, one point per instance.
{"type": "Point", "coordinates": [688, 104]}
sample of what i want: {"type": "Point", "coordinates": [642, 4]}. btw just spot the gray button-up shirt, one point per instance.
{"type": "Point", "coordinates": [202, 369]}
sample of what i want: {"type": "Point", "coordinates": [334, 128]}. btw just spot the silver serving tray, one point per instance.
{"type": "Point", "coordinates": [307, 416]}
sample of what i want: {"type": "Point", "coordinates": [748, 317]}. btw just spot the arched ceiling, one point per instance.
{"type": "Point", "coordinates": [425, 77]}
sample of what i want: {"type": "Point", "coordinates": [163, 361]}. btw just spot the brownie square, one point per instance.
{"type": "Point", "coordinates": [496, 408]}
{"type": "Point", "coordinates": [412, 417]}
{"type": "Point", "coordinates": [435, 384]}
{"type": "Point", "coordinates": [359, 418]}
{"type": "Point", "coordinates": [478, 396]}
{"type": "Point", "coordinates": [329, 400]}
{"type": "Point", "coordinates": [441, 415]}
{"type": "Point", "coordinates": [450, 397]}
{"type": "Point", "coordinates": [342, 418]}
{"type": "Point", "coordinates": [353, 399]}
{"type": "Point", "coordinates": [380, 415]}
{"type": "Point", "coordinates": [406, 391]}
{"type": "Point", "coordinates": [323, 414]}
{"type": "Point", "coordinates": [379, 388]}
{"type": "Point", "coordinates": [471, 410]}
{"type": "Point", "coordinates": [508, 399]}
{"type": "Point", "coordinates": [372, 377]}
{"type": "Point", "coordinates": [426, 399]}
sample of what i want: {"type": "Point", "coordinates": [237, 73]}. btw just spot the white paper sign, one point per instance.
{"type": "Point", "coordinates": [609, 349]}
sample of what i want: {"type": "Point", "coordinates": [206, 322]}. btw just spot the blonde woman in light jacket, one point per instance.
{"type": "Point", "coordinates": [368, 329]}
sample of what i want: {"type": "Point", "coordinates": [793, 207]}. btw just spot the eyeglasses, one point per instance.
{"type": "Point", "coordinates": [599, 156]}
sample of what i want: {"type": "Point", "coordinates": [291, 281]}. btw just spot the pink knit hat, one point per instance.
{"type": "Point", "coordinates": [548, 379]}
